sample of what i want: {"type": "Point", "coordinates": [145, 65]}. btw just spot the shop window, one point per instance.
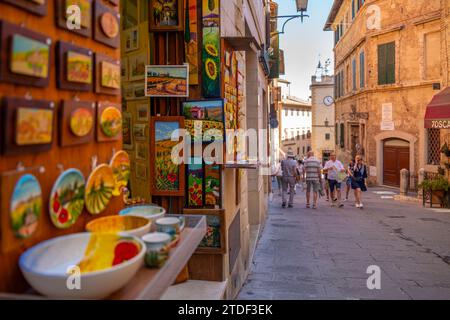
{"type": "Point", "coordinates": [386, 63]}
{"type": "Point", "coordinates": [434, 147]}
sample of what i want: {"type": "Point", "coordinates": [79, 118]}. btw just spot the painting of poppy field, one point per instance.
{"type": "Point", "coordinates": [166, 172]}
{"type": "Point", "coordinates": [195, 183]}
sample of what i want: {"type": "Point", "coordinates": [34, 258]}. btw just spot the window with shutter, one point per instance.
{"type": "Point", "coordinates": [342, 136]}
{"type": "Point", "coordinates": [386, 63]}
{"type": "Point", "coordinates": [336, 134]}
{"type": "Point", "coordinates": [390, 63]}
{"type": "Point", "coordinates": [354, 73]}
{"type": "Point", "coordinates": [362, 70]}
{"type": "Point", "coordinates": [353, 10]}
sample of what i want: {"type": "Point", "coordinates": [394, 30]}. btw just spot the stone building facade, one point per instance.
{"type": "Point", "coordinates": [296, 126]}
{"type": "Point", "coordinates": [388, 66]}
{"type": "Point", "coordinates": [323, 115]}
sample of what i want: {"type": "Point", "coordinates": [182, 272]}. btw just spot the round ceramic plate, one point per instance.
{"type": "Point", "coordinates": [120, 165]}
{"type": "Point", "coordinates": [99, 189]}
{"type": "Point", "coordinates": [109, 24]}
{"type": "Point", "coordinates": [81, 122]}
{"type": "Point", "coordinates": [67, 199]}
{"type": "Point", "coordinates": [111, 122]}
{"type": "Point", "coordinates": [26, 206]}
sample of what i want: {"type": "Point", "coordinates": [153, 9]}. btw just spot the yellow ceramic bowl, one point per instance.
{"type": "Point", "coordinates": [123, 225]}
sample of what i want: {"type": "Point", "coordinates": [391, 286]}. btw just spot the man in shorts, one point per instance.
{"type": "Point", "coordinates": [313, 176]}
{"type": "Point", "coordinates": [335, 168]}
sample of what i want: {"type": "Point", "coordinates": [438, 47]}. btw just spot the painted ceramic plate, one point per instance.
{"type": "Point", "coordinates": [81, 122]}
{"type": "Point", "coordinates": [120, 165]}
{"type": "Point", "coordinates": [111, 122]}
{"type": "Point", "coordinates": [109, 24]}
{"type": "Point", "coordinates": [67, 199]}
{"type": "Point", "coordinates": [99, 189]}
{"type": "Point", "coordinates": [26, 206]}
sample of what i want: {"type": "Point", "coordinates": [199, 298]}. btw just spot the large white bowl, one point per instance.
{"type": "Point", "coordinates": [147, 211]}
{"type": "Point", "coordinates": [44, 267]}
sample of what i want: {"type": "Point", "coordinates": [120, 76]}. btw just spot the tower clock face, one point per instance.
{"type": "Point", "coordinates": [328, 101]}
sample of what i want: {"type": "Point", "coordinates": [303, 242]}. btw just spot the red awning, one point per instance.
{"type": "Point", "coordinates": [438, 111]}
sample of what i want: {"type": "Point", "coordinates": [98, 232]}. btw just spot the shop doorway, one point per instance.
{"type": "Point", "coordinates": [396, 155]}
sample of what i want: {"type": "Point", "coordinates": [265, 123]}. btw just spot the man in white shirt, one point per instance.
{"type": "Point", "coordinates": [289, 169]}
{"type": "Point", "coordinates": [335, 170]}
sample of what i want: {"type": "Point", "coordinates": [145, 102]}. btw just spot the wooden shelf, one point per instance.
{"type": "Point", "coordinates": [151, 284]}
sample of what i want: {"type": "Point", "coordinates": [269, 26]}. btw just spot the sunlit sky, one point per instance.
{"type": "Point", "coordinates": [303, 43]}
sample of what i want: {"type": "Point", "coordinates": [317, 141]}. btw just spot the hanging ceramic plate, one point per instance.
{"type": "Point", "coordinates": [67, 199]}
{"type": "Point", "coordinates": [111, 122]}
{"type": "Point", "coordinates": [26, 206]}
{"type": "Point", "coordinates": [81, 122]}
{"type": "Point", "coordinates": [109, 24]}
{"type": "Point", "coordinates": [120, 165]}
{"type": "Point", "coordinates": [99, 189]}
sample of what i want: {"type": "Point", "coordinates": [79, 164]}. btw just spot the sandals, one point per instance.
{"type": "Point", "coordinates": [308, 206]}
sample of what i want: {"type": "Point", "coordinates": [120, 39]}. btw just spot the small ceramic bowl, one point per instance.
{"type": "Point", "coordinates": [45, 267]}
{"type": "Point", "coordinates": [123, 225]}
{"type": "Point", "coordinates": [147, 211]}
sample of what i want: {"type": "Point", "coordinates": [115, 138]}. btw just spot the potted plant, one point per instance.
{"type": "Point", "coordinates": [438, 189]}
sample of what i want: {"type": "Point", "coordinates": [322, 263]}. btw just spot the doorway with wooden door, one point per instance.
{"type": "Point", "coordinates": [396, 155]}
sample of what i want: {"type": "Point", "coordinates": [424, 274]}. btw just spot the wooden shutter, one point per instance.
{"type": "Point", "coordinates": [336, 134]}
{"type": "Point", "coordinates": [354, 73]}
{"type": "Point", "coordinates": [353, 10]}
{"type": "Point", "coordinates": [342, 136]}
{"type": "Point", "coordinates": [382, 60]}
{"type": "Point", "coordinates": [390, 63]}
{"type": "Point", "coordinates": [362, 70]}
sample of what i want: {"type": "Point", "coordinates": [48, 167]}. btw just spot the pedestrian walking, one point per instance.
{"type": "Point", "coordinates": [278, 174]}
{"type": "Point", "coordinates": [348, 182]}
{"type": "Point", "coordinates": [312, 171]}
{"type": "Point", "coordinates": [336, 174]}
{"type": "Point", "coordinates": [289, 169]}
{"type": "Point", "coordinates": [359, 176]}
{"type": "Point", "coordinates": [300, 174]}
{"type": "Point", "coordinates": [325, 185]}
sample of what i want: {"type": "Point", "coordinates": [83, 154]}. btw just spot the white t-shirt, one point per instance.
{"type": "Point", "coordinates": [333, 167]}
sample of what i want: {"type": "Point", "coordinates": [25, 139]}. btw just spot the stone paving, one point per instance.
{"type": "Point", "coordinates": [325, 253]}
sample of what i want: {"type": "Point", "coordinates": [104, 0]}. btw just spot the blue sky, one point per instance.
{"type": "Point", "coordinates": [303, 43]}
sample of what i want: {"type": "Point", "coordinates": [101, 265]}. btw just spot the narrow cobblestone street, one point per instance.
{"type": "Point", "coordinates": [325, 253]}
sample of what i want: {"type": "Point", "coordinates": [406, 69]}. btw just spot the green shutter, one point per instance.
{"type": "Point", "coordinates": [382, 59]}
{"type": "Point", "coordinates": [336, 134]}
{"type": "Point", "coordinates": [354, 73]}
{"type": "Point", "coordinates": [362, 70]}
{"type": "Point", "coordinates": [342, 136]}
{"type": "Point", "coordinates": [390, 63]}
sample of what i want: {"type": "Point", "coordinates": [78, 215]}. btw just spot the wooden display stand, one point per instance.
{"type": "Point", "coordinates": [79, 156]}
{"type": "Point", "coordinates": [151, 284]}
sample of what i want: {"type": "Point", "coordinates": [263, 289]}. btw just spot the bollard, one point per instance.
{"type": "Point", "coordinates": [420, 179]}
{"type": "Point", "coordinates": [404, 182]}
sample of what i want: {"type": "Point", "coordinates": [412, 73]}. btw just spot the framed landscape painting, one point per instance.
{"type": "Point", "coordinates": [167, 81]}
{"type": "Point", "coordinates": [86, 10]}
{"type": "Point", "coordinates": [25, 56]}
{"type": "Point", "coordinates": [167, 176]}
{"type": "Point", "coordinates": [28, 126]}
{"type": "Point", "coordinates": [166, 15]}
{"type": "Point", "coordinates": [108, 75]}
{"type": "Point", "coordinates": [214, 241]}
{"type": "Point", "coordinates": [205, 117]}
{"type": "Point", "coordinates": [75, 67]}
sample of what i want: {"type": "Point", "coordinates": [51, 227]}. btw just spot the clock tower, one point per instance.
{"type": "Point", "coordinates": [323, 116]}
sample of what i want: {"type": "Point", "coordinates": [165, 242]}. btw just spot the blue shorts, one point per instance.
{"type": "Point", "coordinates": [334, 185]}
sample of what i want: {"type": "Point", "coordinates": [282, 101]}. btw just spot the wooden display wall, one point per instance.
{"type": "Point", "coordinates": [79, 157]}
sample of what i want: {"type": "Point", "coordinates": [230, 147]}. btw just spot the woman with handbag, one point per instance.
{"type": "Point", "coordinates": [358, 175]}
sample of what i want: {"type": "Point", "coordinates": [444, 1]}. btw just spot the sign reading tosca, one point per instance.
{"type": "Point", "coordinates": [437, 124]}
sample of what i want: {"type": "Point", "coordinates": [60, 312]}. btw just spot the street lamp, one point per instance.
{"type": "Point", "coordinates": [302, 6]}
